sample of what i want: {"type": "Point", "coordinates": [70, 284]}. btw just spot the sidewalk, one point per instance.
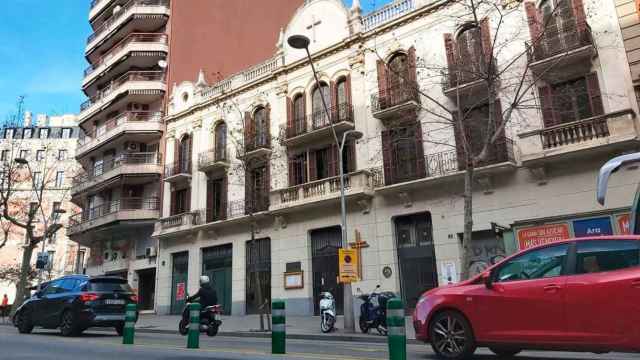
{"type": "Point", "coordinates": [298, 327]}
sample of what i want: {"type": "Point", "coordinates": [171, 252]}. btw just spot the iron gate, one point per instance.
{"type": "Point", "coordinates": [324, 264]}
{"type": "Point", "coordinates": [258, 259]}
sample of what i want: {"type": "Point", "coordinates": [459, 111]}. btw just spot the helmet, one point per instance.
{"type": "Point", "coordinates": [204, 279]}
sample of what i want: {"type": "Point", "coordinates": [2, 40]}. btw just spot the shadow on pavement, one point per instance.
{"type": "Point", "coordinates": [89, 334]}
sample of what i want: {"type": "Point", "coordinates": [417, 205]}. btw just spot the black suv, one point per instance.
{"type": "Point", "coordinates": [76, 302]}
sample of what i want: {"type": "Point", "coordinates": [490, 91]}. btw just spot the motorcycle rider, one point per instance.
{"type": "Point", "coordinates": [207, 294]}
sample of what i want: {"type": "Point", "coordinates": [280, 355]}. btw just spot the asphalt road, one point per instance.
{"type": "Point", "coordinates": [45, 344]}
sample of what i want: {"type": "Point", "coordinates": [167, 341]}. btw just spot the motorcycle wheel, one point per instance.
{"type": "Point", "coordinates": [326, 325]}
{"type": "Point", "coordinates": [183, 327]}
{"type": "Point", "coordinates": [364, 327]}
{"type": "Point", "coordinates": [212, 330]}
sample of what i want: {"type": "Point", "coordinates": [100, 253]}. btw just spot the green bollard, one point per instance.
{"type": "Point", "coordinates": [278, 333]}
{"type": "Point", "coordinates": [395, 325]}
{"type": "Point", "coordinates": [129, 324]}
{"type": "Point", "coordinates": [193, 339]}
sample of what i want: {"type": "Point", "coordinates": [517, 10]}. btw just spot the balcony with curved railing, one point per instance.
{"type": "Point", "coordinates": [317, 125]}
{"type": "Point", "coordinates": [178, 171]}
{"type": "Point", "coordinates": [125, 209]}
{"type": "Point", "coordinates": [397, 100]}
{"type": "Point", "coordinates": [213, 160]}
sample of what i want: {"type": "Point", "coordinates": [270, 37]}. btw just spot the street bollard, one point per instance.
{"type": "Point", "coordinates": [193, 339]}
{"type": "Point", "coordinates": [395, 324]}
{"type": "Point", "coordinates": [278, 333]}
{"type": "Point", "coordinates": [129, 324]}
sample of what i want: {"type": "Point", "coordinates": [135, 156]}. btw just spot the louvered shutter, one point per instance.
{"type": "Point", "coordinates": [387, 156]}
{"type": "Point", "coordinates": [313, 171]}
{"type": "Point", "coordinates": [595, 97]}
{"type": "Point", "coordinates": [382, 84]}
{"type": "Point", "coordinates": [546, 104]}
{"type": "Point", "coordinates": [421, 170]}
{"type": "Point", "coordinates": [210, 211]}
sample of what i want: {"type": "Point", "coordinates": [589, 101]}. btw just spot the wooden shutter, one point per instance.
{"type": "Point", "coordinates": [176, 154]}
{"type": "Point", "coordinates": [347, 90]}
{"type": "Point", "coordinates": [313, 171]}
{"type": "Point", "coordinates": [190, 154]}
{"type": "Point", "coordinates": [421, 170]}
{"type": "Point", "coordinates": [382, 82]}
{"type": "Point", "coordinates": [595, 97]}
{"type": "Point", "coordinates": [292, 170]}
{"type": "Point", "coordinates": [532, 19]}
{"type": "Point", "coordinates": [210, 210]}
{"type": "Point", "coordinates": [580, 16]}
{"type": "Point", "coordinates": [267, 129]}
{"type": "Point", "coordinates": [248, 189]}
{"type": "Point", "coordinates": [224, 197]}
{"type": "Point", "coordinates": [546, 104]}
{"type": "Point", "coordinates": [290, 114]}
{"type": "Point", "coordinates": [499, 148]}
{"type": "Point", "coordinates": [485, 38]}
{"type": "Point", "coordinates": [333, 107]}
{"type": "Point", "coordinates": [187, 201]}
{"type": "Point", "coordinates": [267, 184]}
{"type": "Point", "coordinates": [247, 130]}
{"type": "Point", "coordinates": [351, 156]}
{"type": "Point", "coordinates": [450, 49]}
{"type": "Point", "coordinates": [174, 201]}
{"type": "Point", "coordinates": [413, 74]}
{"type": "Point", "coordinates": [387, 156]}
{"type": "Point", "coordinates": [334, 169]}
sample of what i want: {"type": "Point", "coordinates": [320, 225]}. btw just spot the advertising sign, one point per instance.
{"type": "Point", "coordinates": [348, 265]}
{"type": "Point", "coordinates": [539, 235]}
{"type": "Point", "coordinates": [180, 291]}
{"type": "Point", "coordinates": [623, 224]}
{"type": "Point", "coordinates": [593, 227]}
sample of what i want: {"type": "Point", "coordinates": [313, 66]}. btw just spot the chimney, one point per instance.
{"type": "Point", "coordinates": [42, 120]}
{"type": "Point", "coordinates": [27, 118]}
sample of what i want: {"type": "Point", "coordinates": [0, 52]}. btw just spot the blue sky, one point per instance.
{"type": "Point", "coordinates": [41, 53]}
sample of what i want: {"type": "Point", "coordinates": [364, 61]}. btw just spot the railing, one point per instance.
{"type": "Point", "coordinates": [115, 84]}
{"type": "Point", "coordinates": [216, 89]}
{"type": "Point", "coordinates": [177, 168]}
{"type": "Point", "coordinates": [387, 13]}
{"type": "Point", "coordinates": [122, 13]}
{"type": "Point", "coordinates": [560, 41]}
{"type": "Point", "coordinates": [394, 95]}
{"type": "Point", "coordinates": [467, 72]}
{"type": "Point", "coordinates": [500, 151]}
{"type": "Point", "coordinates": [255, 141]}
{"type": "Point", "coordinates": [299, 127]}
{"type": "Point", "coordinates": [574, 132]}
{"type": "Point", "coordinates": [131, 38]}
{"type": "Point", "coordinates": [211, 157]}
{"type": "Point", "coordinates": [126, 117]}
{"type": "Point", "coordinates": [259, 202]}
{"type": "Point", "coordinates": [262, 69]}
{"type": "Point", "coordinates": [111, 207]}
{"type": "Point", "coordinates": [147, 158]}
{"type": "Point", "coordinates": [338, 113]}
{"type": "Point", "coordinates": [188, 218]}
{"type": "Point", "coordinates": [314, 189]}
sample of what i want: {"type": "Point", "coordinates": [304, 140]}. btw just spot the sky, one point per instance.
{"type": "Point", "coordinates": [42, 53]}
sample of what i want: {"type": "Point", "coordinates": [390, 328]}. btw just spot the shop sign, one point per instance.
{"type": "Point", "coordinates": [348, 265]}
{"type": "Point", "coordinates": [180, 291]}
{"type": "Point", "coordinates": [540, 235]}
{"type": "Point", "coordinates": [593, 227]}
{"type": "Point", "coordinates": [624, 228]}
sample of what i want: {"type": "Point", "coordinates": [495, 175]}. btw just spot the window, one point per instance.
{"type": "Point", "coordinates": [323, 162]}
{"type": "Point", "coordinates": [49, 267]}
{"type": "Point", "coordinates": [4, 156]}
{"type": "Point", "coordinates": [37, 179]}
{"type": "Point", "coordinates": [59, 179]}
{"type": "Point", "coordinates": [414, 230]}
{"type": "Point", "coordinates": [299, 120]}
{"type": "Point", "coordinates": [54, 287]}
{"type": "Point", "coordinates": [221, 142]}
{"type": "Point", "coordinates": [537, 264]}
{"type": "Point", "coordinates": [258, 187]}
{"type": "Point", "coordinates": [69, 284]}
{"type": "Point", "coordinates": [184, 155]}
{"type": "Point", "coordinates": [44, 133]}
{"type": "Point", "coordinates": [298, 169]}
{"type": "Point", "coordinates": [399, 70]}
{"type": "Point", "coordinates": [8, 133]}
{"type": "Point", "coordinates": [571, 100]}
{"type": "Point", "coordinates": [33, 207]}
{"type": "Point", "coordinates": [180, 197]}
{"type": "Point", "coordinates": [319, 116]}
{"type": "Point", "coordinates": [62, 154]}
{"type": "Point", "coordinates": [53, 238]}
{"type": "Point", "coordinates": [27, 133]}
{"type": "Point", "coordinates": [470, 53]}
{"type": "Point", "coordinates": [261, 128]}
{"type": "Point", "coordinates": [24, 154]}
{"type": "Point", "coordinates": [607, 255]}
{"type": "Point", "coordinates": [343, 110]}
{"type": "Point", "coordinates": [66, 133]}
{"type": "Point", "coordinates": [55, 216]}
{"type": "Point", "coordinates": [406, 153]}
{"type": "Point", "coordinates": [39, 155]}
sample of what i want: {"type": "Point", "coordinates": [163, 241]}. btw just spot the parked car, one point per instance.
{"type": "Point", "coordinates": [576, 295]}
{"type": "Point", "coordinates": [75, 303]}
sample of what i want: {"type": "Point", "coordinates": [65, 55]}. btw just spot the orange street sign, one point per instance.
{"type": "Point", "coordinates": [348, 265]}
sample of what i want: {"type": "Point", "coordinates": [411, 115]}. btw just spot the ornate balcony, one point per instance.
{"type": "Point", "coordinates": [599, 134]}
{"type": "Point", "coordinates": [139, 124]}
{"type": "Point", "coordinates": [178, 171]}
{"type": "Point", "coordinates": [100, 176]}
{"type": "Point", "coordinates": [137, 50]}
{"type": "Point", "coordinates": [140, 85]}
{"type": "Point", "coordinates": [467, 83]}
{"type": "Point", "coordinates": [126, 209]}
{"type": "Point", "coordinates": [396, 102]}
{"type": "Point", "coordinates": [358, 184]}
{"type": "Point", "coordinates": [341, 118]}
{"type": "Point", "coordinates": [257, 145]}
{"type": "Point", "coordinates": [138, 15]}
{"type": "Point", "coordinates": [213, 160]}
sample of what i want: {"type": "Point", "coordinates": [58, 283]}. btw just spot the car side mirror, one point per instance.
{"type": "Point", "coordinates": [487, 278]}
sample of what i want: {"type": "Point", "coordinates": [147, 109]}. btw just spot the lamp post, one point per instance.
{"type": "Point", "coordinates": [302, 42]}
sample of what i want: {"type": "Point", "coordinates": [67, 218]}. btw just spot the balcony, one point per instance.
{"type": "Point", "coordinates": [126, 209]}
{"type": "Point", "coordinates": [341, 118]}
{"type": "Point", "coordinates": [178, 171]}
{"type": "Point", "coordinates": [467, 82]}
{"type": "Point", "coordinates": [358, 184]}
{"type": "Point", "coordinates": [214, 160]}
{"type": "Point", "coordinates": [142, 86]}
{"type": "Point", "coordinates": [562, 55]}
{"type": "Point", "coordinates": [97, 6]}
{"type": "Point", "coordinates": [137, 50]}
{"type": "Point", "coordinates": [600, 134]}
{"type": "Point", "coordinates": [138, 15]}
{"type": "Point", "coordinates": [142, 165]}
{"type": "Point", "coordinates": [396, 102]}
{"type": "Point", "coordinates": [257, 145]}
{"type": "Point", "coordinates": [140, 125]}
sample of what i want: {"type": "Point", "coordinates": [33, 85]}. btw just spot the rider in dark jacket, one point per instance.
{"type": "Point", "coordinates": [206, 294]}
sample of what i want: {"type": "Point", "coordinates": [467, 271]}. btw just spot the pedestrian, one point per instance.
{"type": "Point", "coordinates": [4, 307]}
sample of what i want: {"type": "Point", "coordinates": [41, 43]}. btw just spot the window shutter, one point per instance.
{"type": "Point", "coordinates": [313, 171]}
{"type": "Point", "coordinates": [449, 46]}
{"type": "Point", "coordinates": [413, 74]}
{"type": "Point", "coordinates": [595, 97]}
{"type": "Point", "coordinates": [333, 107]}
{"type": "Point", "coordinates": [421, 170]}
{"type": "Point", "coordinates": [190, 154]}
{"type": "Point", "coordinates": [248, 190]}
{"type": "Point", "coordinates": [247, 130]}
{"type": "Point", "coordinates": [187, 201]}
{"type": "Point", "coordinates": [546, 104]}
{"type": "Point", "coordinates": [174, 200]}
{"type": "Point", "coordinates": [351, 156]}
{"type": "Point", "coordinates": [485, 38]}
{"type": "Point", "coordinates": [210, 203]}
{"type": "Point", "coordinates": [290, 114]}
{"type": "Point", "coordinates": [382, 82]}
{"type": "Point", "coordinates": [532, 19]}
{"type": "Point", "coordinates": [267, 185]}
{"type": "Point", "coordinates": [334, 169]}
{"type": "Point", "coordinates": [387, 156]}
{"type": "Point", "coordinates": [499, 148]}
{"type": "Point", "coordinates": [347, 90]}
{"type": "Point", "coordinates": [292, 171]}
{"type": "Point", "coordinates": [176, 153]}
{"type": "Point", "coordinates": [580, 16]}
{"type": "Point", "coordinates": [267, 129]}
{"type": "Point", "coordinates": [224, 197]}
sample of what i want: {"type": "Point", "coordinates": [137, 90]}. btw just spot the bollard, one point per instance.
{"type": "Point", "coordinates": [193, 339]}
{"type": "Point", "coordinates": [278, 333]}
{"type": "Point", "coordinates": [129, 324]}
{"type": "Point", "coordinates": [395, 324]}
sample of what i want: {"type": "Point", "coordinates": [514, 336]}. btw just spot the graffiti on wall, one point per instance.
{"type": "Point", "coordinates": [484, 253]}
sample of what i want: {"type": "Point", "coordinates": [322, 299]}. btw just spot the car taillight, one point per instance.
{"type": "Point", "coordinates": [134, 298]}
{"type": "Point", "coordinates": [86, 297]}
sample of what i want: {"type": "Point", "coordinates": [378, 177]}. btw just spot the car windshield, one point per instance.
{"type": "Point", "coordinates": [108, 285]}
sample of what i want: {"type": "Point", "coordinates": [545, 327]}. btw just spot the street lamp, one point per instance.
{"type": "Point", "coordinates": [302, 42]}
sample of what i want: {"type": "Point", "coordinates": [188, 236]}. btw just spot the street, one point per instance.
{"type": "Point", "coordinates": [96, 344]}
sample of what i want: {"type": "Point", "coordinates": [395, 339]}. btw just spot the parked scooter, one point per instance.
{"type": "Point", "coordinates": [209, 320]}
{"type": "Point", "coordinates": [327, 312]}
{"type": "Point", "coordinates": [373, 312]}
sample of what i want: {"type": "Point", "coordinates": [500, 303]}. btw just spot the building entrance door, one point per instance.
{"type": "Point", "coordinates": [146, 289]}
{"type": "Point", "coordinates": [216, 263]}
{"type": "Point", "coordinates": [324, 265]}
{"type": "Point", "coordinates": [179, 277]}
{"type": "Point", "coordinates": [258, 259]}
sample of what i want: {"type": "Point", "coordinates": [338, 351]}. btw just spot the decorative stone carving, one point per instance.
{"type": "Point", "coordinates": [201, 82]}
{"type": "Point", "coordinates": [365, 205]}
{"type": "Point", "coordinates": [282, 88]}
{"type": "Point", "coordinates": [281, 222]}
{"type": "Point", "coordinates": [356, 59]}
{"type": "Point", "coordinates": [197, 124]}
{"type": "Point", "coordinates": [405, 197]}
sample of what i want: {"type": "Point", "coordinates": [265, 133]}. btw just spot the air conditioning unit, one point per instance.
{"type": "Point", "coordinates": [151, 251]}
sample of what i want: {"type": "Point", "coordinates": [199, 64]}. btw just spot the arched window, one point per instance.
{"type": "Point", "coordinates": [220, 134]}
{"type": "Point", "coordinates": [558, 25]}
{"type": "Point", "coordinates": [320, 118]}
{"type": "Point", "coordinates": [469, 44]}
{"type": "Point", "coordinates": [184, 155]}
{"type": "Point", "coordinates": [299, 123]}
{"type": "Point", "coordinates": [261, 127]}
{"type": "Point", "coordinates": [398, 70]}
{"type": "Point", "coordinates": [342, 99]}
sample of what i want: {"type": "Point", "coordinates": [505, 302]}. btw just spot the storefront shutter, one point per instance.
{"type": "Point", "coordinates": [595, 98]}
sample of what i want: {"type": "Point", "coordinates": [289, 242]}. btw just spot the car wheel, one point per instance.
{"type": "Point", "coordinates": [120, 329]}
{"type": "Point", "coordinates": [68, 326]}
{"type": "Point", "coordinates": [364, 327]}
{"type": "Point", "coordinates": [505, 353]}
{"type": "Point", "coordinates": [24, 323]}
{"type": "Point", "coordinates": [183, 327]}
{"type": "Point", "coordinates": [451, 336]}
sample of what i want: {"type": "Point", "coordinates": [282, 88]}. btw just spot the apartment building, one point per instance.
{"type": "Point", "coordinates": [49, 144]}
{"type": "Point", "coordinates": [138, 51]}
{"type": "Point", "coordinates": [257, 148]}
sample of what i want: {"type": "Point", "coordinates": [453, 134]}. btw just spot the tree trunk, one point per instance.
{"type": "Point", "coordinates": [25, 269]}
{"type": "Point", "coordinates": [468, 220]}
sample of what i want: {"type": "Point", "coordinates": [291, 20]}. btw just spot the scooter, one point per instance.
{"type": "Point", "coordinates": [327, 312]}
{"type": "Point", "coordinates": [209, 320]}
{"type": "Point", "coordinates": [373, 312]}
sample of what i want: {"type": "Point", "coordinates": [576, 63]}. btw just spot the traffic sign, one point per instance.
{"type": "Point", "coordinates": [348, 265]}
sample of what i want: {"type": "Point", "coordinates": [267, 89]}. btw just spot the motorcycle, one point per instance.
{"type": "Point", "coordinates": [209, 320]}
{"type": "Point", "coordinates": [327, 312]}
{"type": "Point", "coordinates": [373, 311]}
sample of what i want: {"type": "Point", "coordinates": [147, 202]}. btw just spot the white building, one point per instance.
{"type": "Point", "coordinates": [405, 182]}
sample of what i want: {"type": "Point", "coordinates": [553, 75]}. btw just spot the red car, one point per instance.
{"type": "Point", "coordinates": [576, 295]}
